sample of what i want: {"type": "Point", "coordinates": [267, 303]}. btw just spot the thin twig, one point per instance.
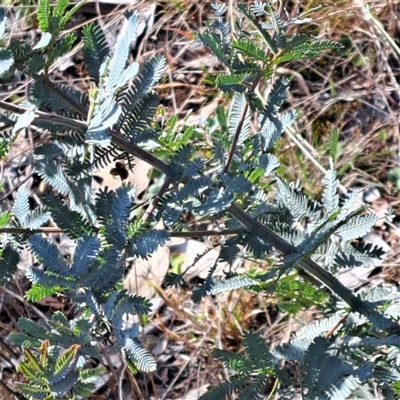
{"type": "Point", "coordinates": [307, 265]}
{"type": "Point", "coordinates": [120, 381]}
{"type": "Point", "coordinates": [199, 234]}
{"type": "Point", "coordinates": [104, 353]}
{"type": "Point", "coordinates": [23, 301]}
{"type": "Point", "coordinates": [340, 322]}
{"type": "Point", "coordinates": [154, 386]}
{"type": "Point", "coordinates": [45, 229]}
{"type": "Point", "coordinates": [134, 385]}
{"type": "Point", "coordinates": [16, 187]}
{"type": "Point", "coordinates": [197, 259]}
{"type": "Point", "coordinates": [240, 124]}
{"type": "Point", "coordinates": [138, 152]}
{"type": "Point", "coordinates": [156, 199]}
{"type": "Point", "coordinates": [171, 385]}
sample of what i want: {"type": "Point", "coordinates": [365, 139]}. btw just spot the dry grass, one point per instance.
{"type": "Point", "coordinates": [356, 91]}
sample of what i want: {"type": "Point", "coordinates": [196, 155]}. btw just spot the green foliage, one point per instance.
{"type": "Point", "coordinates": [95, 49]}
{"type": "Point", "coordinates": [4, 218]}
{"type": "Point", "coordinates": [295, 294]}
{"type": "Point", "coordinates": [221, 172]}
{"type": "Point", "coordinates": [43, 14]}
{"type": "Point", "coordinates": [309, 49]}
{"type": "Point", "coordinates": [32, 59]}
{"type": "Point", "coordinates": [251, 370]}
{"type": "Point", "coordinates": [53, 374]}
{"type": "Point", "coordinates": [53, 20]}
{"type": "Point", "coordinates": [38, 292]}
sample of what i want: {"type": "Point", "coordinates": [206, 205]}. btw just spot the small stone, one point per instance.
{"type": "Point", "coordinates": [371, 194]}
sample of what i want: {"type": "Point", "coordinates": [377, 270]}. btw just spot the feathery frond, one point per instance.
{"type": "Point", "coordinates": [95, 49]}
{"type": "Point", "coordinates": [49, 255]}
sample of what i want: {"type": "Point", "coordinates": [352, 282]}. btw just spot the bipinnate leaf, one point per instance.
{"type": "Point", "coordinates": [268, 40]}
{"type": "Point", "coordinates": [60, 7]}
{"type": "Point", "coordinates": [276, 96]}
{"type": "Point", "coordinates": [143, 245]}
{"type": "Point", "coordinates": [29, 369]}
{"type": "Point", "coordinates": [307, 50]}
{"type": "Point", "coordinates": [87, 249]}
{"type": "Point", "coordinates": [250, 50]}
{"type": "Point", "coordinates": [62, 387]}
{"type": "Point", "coordinates": [65, 363]}
{"type": "Point", "coordinates": [69, 221]}
{"type": "Point", "coordinates": [8, 264]}
{"type": "Point", "coordinates": [330, 198]}
{"type": "Point", "coordinates": [32, 391]}
{"type": "Point", "coordinates": [67, 16]}
{"type": "Point", "coordinates": [238, 106]}
{"type": "Point", "coordinates": [224, 285]}
{"type": "Point", "coordinates": [38, 292]}
{"type": "Point", "coordinates": [24, 120]}
{"type": "Point", "coordinates": [120, 56]}
{"type": "Point", "coordinates": [232, 83]}
{"type": "Point", "coordinates": [49, 255]}
{"type": "Point", "coordinates": [257, 351]}
{"type": "Point", "coordinates": [141, 357]}
{"type": "Point", "coordinates": [6, 60]}
{"type": "Point", "coordinates": [106, 115]}
{"type": "Point", "coordinates": [95, 49]}
{"type": "Point", "coordinates": [357, 227]}
{"type": "Point", "coordinates": [209, 40]}
{"type": "Point", "coordinates": [43, 14]}
{"type": "Point", "coordinates": [31, 328]}
{"type": "Point", "coordinates": [5, 218]}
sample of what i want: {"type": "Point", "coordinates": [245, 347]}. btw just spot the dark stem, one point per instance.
{"type": "Point", "coordinates": [55, 119]}
{"type": "Point", "coordinates": [249, 223]}
{"type": "Point", "coordinates": [78, 107]}
{"type": "Point", "coordinates": [138, 152]}
{"type": "Point", "coordinates": [80, 125]}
